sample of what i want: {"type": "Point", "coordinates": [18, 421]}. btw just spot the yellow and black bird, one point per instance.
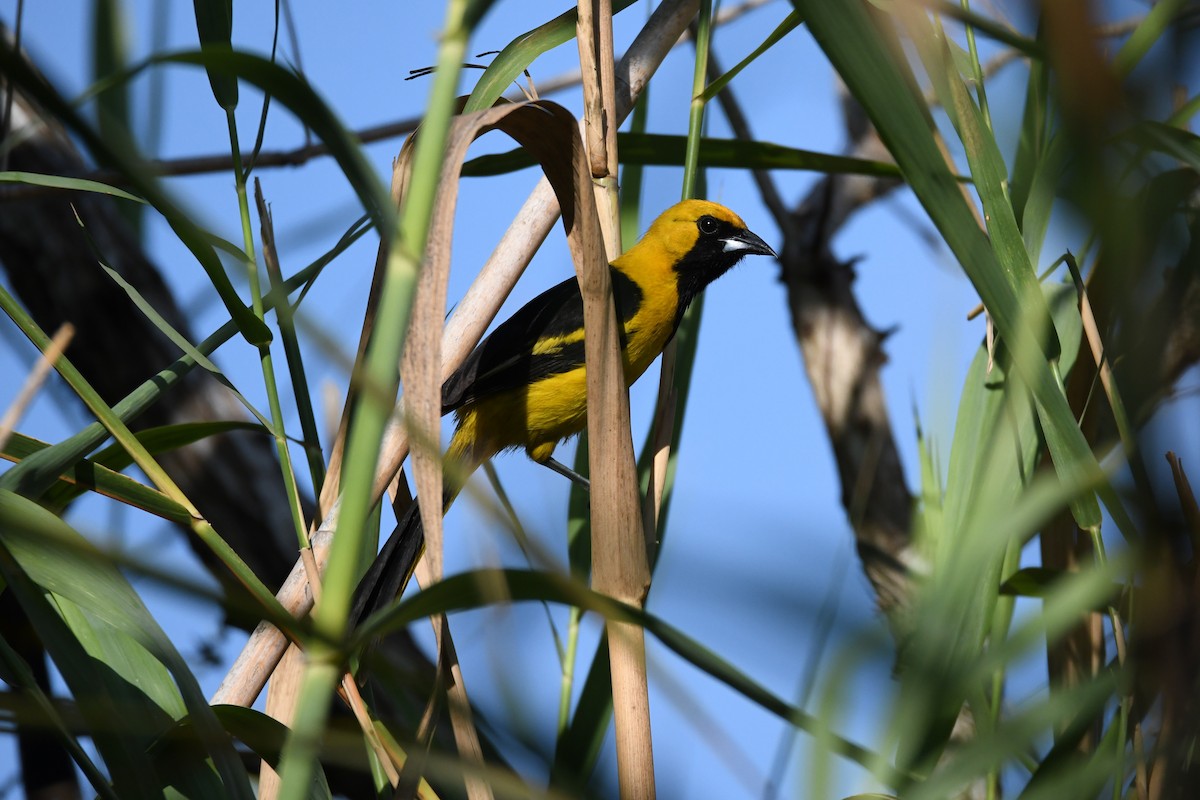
{"type": "Point", "coordinates": [525, 385]}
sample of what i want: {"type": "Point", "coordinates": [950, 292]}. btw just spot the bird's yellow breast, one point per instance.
{"type": "Point", "coordinates": [540, 415]}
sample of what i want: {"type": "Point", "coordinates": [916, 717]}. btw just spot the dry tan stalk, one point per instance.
{"type": "Point", "coordinates": [627, 645]}
{"type": "Point", "coordinates": [249, 672]}
{"type": "Point", "coordinates": [531, 126]}
{"type": "Point", "coordinates": [282, 692]}
{"type": "Point", "coordinates": [350, 693]}
{"type": "Point", "coordinates": [421, 373]}
{"type": "Point", "coordinates": [33, 382]}
{"type": "Point", "coordinates": [551, 134]}
{"type": "Point", "coordinates": [1092, 333]}
{"type": "Point", "coordinates": [663, 427]}
{"type": "Point", "coordinates": [459, 705]}
{"type": "Point", "coordinates": [594, 35]}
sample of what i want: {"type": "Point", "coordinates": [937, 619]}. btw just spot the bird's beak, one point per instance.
{"type": "Point", "coordinates": [749, 243]}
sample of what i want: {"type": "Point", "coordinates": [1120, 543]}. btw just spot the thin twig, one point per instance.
{"type": "Point", "coordinates": [34, 381]}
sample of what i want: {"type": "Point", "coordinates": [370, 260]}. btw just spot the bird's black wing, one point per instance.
{"type": "Point", "coordinates": [505, 359]}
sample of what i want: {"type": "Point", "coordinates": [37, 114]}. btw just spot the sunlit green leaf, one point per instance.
{"type": "Point", "coordinates": [72, 184]}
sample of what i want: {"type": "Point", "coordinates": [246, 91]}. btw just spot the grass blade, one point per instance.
{"type": "Point", "coordinates": [71, 184]}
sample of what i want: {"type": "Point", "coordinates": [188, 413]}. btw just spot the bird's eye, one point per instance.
{"type": "Point", "coordinates": [707, 225]}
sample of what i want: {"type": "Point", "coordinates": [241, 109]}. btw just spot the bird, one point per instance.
{"type": "Point", "coordinates": [525, 385]}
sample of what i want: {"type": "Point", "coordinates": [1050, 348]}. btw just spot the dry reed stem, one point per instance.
{"type": "Point", "coordinates": [282, 692]}
{"type": "Point", "coordinates": [664, 430]}
{"type": "Point", "coordinates": [630, 685]}
{"type": "Point", "coordinates": [353, 699]}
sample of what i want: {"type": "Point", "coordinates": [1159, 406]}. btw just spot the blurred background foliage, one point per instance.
{"type": "Point", "coordinates": [1014, 489]}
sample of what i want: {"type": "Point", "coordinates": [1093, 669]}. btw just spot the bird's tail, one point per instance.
{"type": "Point", "coordinates": [391, 570]}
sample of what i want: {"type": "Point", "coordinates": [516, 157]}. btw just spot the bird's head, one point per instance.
{"type": "Point", "coordinates": [707, 230]}
{"type": "Point", "coordinates": [699, 241]}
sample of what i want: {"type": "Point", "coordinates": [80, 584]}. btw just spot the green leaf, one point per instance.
{"type": "Point", "coordinates": [87, 475]}
{"type": "Point", "coordinates": [110, 55]}
{"type": "Point", "coordinates": [127, 666]}
{"type": "Point", "coordinates": [789, 24]}
{"type": "Point", "coordinates": [991, 181]}
{"type": "Point", "coordinates": [992, 460]}
{"type": "Point", "coordinates": [101, 410]}
{"type": "Point", "coordinates": [214, 24]}
{"type": "Point", "coordinates": [851, 36]}
{"type": "Point", "coordinates": [988, 27]}
{"type": "Point", "coordinates": [17, 674]}
{"type": "Point", "coordinates": [176, 338]}
{"type": "Point", "coordinates": [518, 54]}
{"type": "Point", "coordinates": [1149, 30]}
{"type": "Point", "coordinates": [265, 736]}
{"type": "Point", "coordinates": [1019, 731]}
{"type": "Point", "coordinates": [482, 587]}
{"type": "Point", "coordinates": [668, 150]}
{"type": "Point", "coordinates": [1041, 582]}
{"type": "Point", "coordinates": [166, 438]}
{"type": "Point", "coordinates": [996, 437]}
{"type": "Point", "coordinates": [73, 184]}
{"type": "Point", "coordinates": [298, 96]}
{"type": "Point", "coordinates": [1031, 582]}
{"type": "Point", "coordinates": [1060, 773]}
{"type": "Point", "coordinates": [1031, 146]}
{"type": "Point", "coordinates": [1177, 143]}
{"type": "Point", "coordinates": [1042, 192]}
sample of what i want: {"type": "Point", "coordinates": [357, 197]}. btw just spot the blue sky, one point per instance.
{"type": "Point", "coordinates": [757, 541]}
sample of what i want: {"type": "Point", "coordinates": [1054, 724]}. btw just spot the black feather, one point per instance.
{"type": "Point", "coordinates": [505, 360]}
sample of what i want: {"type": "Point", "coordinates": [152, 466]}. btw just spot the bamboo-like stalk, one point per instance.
{"type": "Point", "coordinates": [551, 134]}
{"type": "Point", "coordinates": [662, 432]}
{"type": "Point", "coordinates": [281, 704]}
{"type": "Point", "coordinates": [596, 66]}
{"type": "Point", "coordinates": [619, 554]}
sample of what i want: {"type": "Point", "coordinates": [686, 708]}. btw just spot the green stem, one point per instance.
{"type": "Point", "coordinates": [568, 671]}
{"type": "Point", "coordinates": [977, 68]}
{"type": "Point", "coordinates": [1114, 620]}
{"type": "Point", "coordinates": [696, 112]}
{"type": "Point", "coordinates": [264, 350]}
{"type": "Point", "coordinates": [405, 243]}
{"type": "Point", "coordinates": [285, 315]}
